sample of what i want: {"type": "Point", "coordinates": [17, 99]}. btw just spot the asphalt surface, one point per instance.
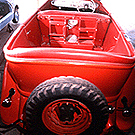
{"type": "Point", "coordinates": [4, 36]}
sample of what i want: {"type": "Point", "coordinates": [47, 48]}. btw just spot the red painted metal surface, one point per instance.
{"type": "Point", "coordinates": [129, 91]}
{"type": "Point", "coordinates": [53, 43]}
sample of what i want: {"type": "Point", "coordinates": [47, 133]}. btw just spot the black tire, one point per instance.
{"type": "Point", "coordinates": [47, 92]}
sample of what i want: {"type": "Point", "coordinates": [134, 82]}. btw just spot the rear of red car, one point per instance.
{"type": "Point", "coordinates": [67, 79]}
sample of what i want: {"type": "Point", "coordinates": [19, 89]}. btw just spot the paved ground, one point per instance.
{"type": "Point", "coordinates": [4, 36]}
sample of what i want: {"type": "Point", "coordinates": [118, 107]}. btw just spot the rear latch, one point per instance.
{"type": "Point", "coordinates": [126, 110]}
{"type": "Point", "coordinates": [7, 101]}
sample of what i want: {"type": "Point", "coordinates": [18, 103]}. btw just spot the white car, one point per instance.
{"type": "Point", "coordinates": [8, 12]}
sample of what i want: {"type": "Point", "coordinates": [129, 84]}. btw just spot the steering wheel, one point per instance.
{"type": "Point", "coordinates": [87, 5]}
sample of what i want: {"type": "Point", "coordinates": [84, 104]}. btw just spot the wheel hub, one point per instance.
{"type": "Point", "coordinates": [66, 116]}
{"type": "Point", "coordinates": [67, 111]}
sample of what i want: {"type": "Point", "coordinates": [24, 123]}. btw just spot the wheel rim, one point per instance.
{"type": "Point", "coordinates": [66, 116]}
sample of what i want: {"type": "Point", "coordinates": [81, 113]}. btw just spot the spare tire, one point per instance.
{"type": "Point", "coordinates": [66, 105]}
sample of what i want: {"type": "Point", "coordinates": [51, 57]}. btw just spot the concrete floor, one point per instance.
{"type": "Point", "coordinates": [4, 36]}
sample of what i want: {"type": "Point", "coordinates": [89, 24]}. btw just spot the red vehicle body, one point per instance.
{"type": "Point", "coordinates": [58, 46]}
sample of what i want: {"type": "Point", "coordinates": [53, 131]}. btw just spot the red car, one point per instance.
{"type": "Point", "coordinates": [70, 70]}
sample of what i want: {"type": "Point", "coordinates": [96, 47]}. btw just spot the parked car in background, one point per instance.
{"type": "Point", "coordinates": [8, 12]}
